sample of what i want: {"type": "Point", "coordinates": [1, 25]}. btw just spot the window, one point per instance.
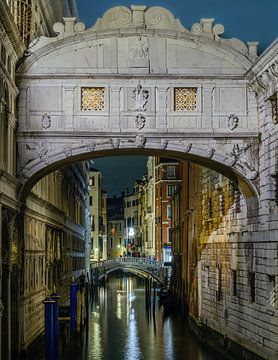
{"type": "Point", "coordinates": [234, 282]}
{"type": "Point", "coordinates": [236, 195]}
{"type": "Point", "coordinates": [252, 279]}
{"type": "Point", "coordinates": [92, 98]}
{"type": "Point", "coordinates": [169, 211]}
{"type": "Point", "coordinates": [218, 283]}
{"type": "Point", "coordinates": [207, 283]}
{"type": "Point", "coordinates": [92, 181]}
{"type": "Point", "coordinates": [170, 190]}
{"type": "Point", "coordinates": [91, 200]}
{"type": "Point", "coordinates": [209, 208]}
{"type": "Point", "coordinates": [170, 172]}
{"type": "Point", "coordinates": [185, 99]}
{"type": "Point", "coordinates": [221, 203]}
{"type": "Point", "coordinates": [272, 297]}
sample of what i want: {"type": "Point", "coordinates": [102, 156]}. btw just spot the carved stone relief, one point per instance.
{"type": "Point", "coordinates": [210, 152]}
{"type": "Point", "coordinates": [233, 121]}
{"type": "Point", "coordinates": [241, 156]}
{"type": "Point", "coordinates": [115, 143]}
{"type": "Point", "coordinates": [140, 49]}
{"type": "Point", "coordinates": [39, 151]}
{"type": "Point", "coordinates": [140, 141]}
{"type": "Point", "coordinates": [46, 121]}
{"type": "Point", "coordinates": [67, 151]}
{"type": "Point", "coordinates": [163, 144]}
{"type": "Point", "coordinates": [139, 104]}
{"type": "Point", "coordinates": [187, 146]}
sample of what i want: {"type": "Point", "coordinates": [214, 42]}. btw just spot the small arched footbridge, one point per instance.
{"type": "Point", "coordinates": [140, 266]}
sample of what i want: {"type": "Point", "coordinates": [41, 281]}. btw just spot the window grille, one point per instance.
{"type": "Point", "coordinates": [92, 98]}
{"type": "Point", "coordinates": [185, 99]}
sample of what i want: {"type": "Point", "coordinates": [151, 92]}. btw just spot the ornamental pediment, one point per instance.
{"type": "Point", "coordinates": [140, 40]}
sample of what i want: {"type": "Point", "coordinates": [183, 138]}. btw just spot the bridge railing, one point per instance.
{"type": "Point", "coordinates": [109, 263]}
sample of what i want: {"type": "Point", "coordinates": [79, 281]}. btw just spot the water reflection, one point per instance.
{"type": "Point", "coordinates": [123, 328]}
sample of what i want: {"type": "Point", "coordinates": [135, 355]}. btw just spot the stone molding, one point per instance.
{"type": "Point", "coordinates": [263, 75]}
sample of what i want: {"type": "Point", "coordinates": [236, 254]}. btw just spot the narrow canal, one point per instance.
{"type": "Point", "coordinates": [122, 328]}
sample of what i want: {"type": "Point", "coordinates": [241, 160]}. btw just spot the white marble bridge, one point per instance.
{"type": "Point", "coordinates": [140, 266]}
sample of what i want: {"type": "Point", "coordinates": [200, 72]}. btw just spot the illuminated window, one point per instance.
{"type": "Point", "coordinates": [169, 211]}
{"type": "Point", "coordinates": [185, 99]}
{"type": "Point", "coordinates": [170, 172]}
{"type": "Point", "coordinates": [171, 190]}
{"type": "Point", "coordinates": [92, 98]}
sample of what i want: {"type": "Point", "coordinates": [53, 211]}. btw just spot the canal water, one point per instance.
{"type": "Point", "coordinates": [122, 328]}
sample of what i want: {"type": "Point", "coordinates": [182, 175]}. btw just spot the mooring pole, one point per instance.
{"type": "Point", "coordinates": [49, 309]}
{"type": "Point", "coordinates": [73, 306]}
{"type": "Point", "coordinates": [56, 297]}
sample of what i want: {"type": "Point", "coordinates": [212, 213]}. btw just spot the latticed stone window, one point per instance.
{"type": "Point", "coordinates": [185, 99]}
{"type": "Point", "coordinates": [92, 98]}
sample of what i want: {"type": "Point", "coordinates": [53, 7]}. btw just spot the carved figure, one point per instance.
{"type": "Point", "coordinates": [40, 151]}
{"type": "Point", "coordinates": [140, 98]}
{"type": "Point", "coordinates": [115, 143]}
{"type": "Point", "coordinates": [140, 49]}
{"type": "Point", "coordinates": [140, 141]}
{"type": "Point", "coordinates": [91, 146]}
{"type": "Point", "coordinates": [242, 157]}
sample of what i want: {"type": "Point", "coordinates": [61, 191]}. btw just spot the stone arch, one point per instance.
{"type": "Point", "coordinates": [201, 154]}
{"type": "Point", "coordinates": [149, 52]}
{"type": "Point", "coordinates": [134, 270]}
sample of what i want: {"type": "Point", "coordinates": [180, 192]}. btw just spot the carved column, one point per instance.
{"type": "Point", "coordinates": [207, 118]}
{"type": "Point", "coordinates": [161, 108]}
{"type": "Point", "coordinates": [115, 103]}
{"type": "Point", "coordinates": [68, 107]}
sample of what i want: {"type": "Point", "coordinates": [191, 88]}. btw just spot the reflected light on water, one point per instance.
{"type": "Point", "coordinates": [168, 340]}
{"type": "Point", "coordinates": [132, 348]}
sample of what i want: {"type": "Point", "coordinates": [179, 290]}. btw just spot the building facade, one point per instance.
{"type": "Point", "coordinates": [98, 209]}
{"type": "Point", "coordinates": [167, 177]}
{"type": "Point", "coordinates": [116, 245]}
{"type": "Point", "coordinates": [32, 243]}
